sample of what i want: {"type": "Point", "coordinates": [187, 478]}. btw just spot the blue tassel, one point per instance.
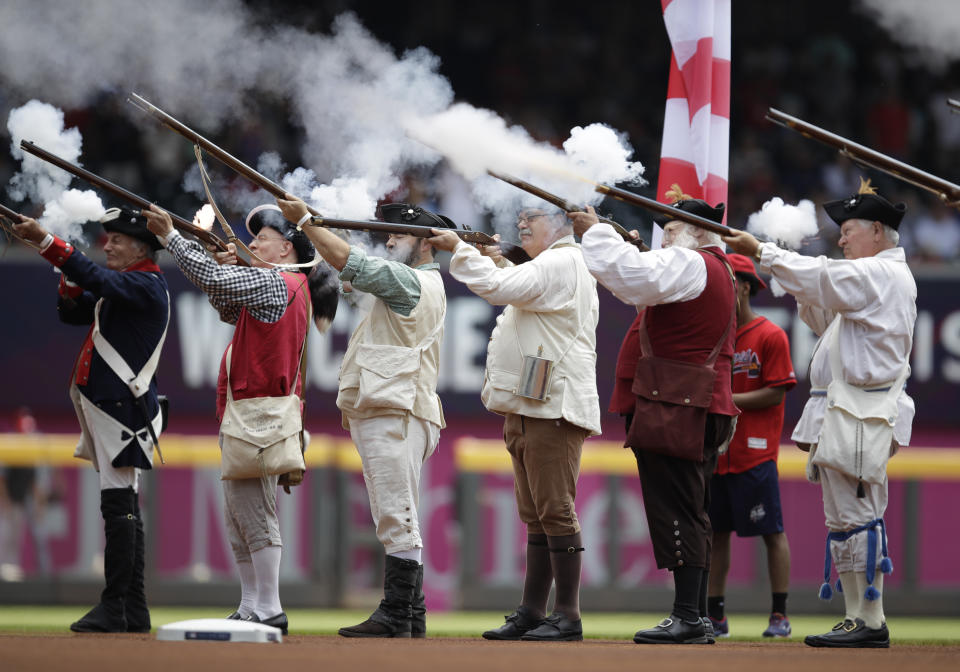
{"type": "Point", "coordinates": [839, 586]}
{"type": "Point", "coordinates": [886, 566]}
{"type": "Point", "coordinates": [825, 592]}
{"type": "Point", "coordinates": [872, 593]}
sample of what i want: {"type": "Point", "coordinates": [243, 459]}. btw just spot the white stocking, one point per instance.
{"type": "Point", "coordinates": [248, 588]}
{"type": "Point", "coordinates": [871, 611]}
{"type": "Point", "coordinates": [852, 594]}
{"type": "Point", "coordinates": [266, 564]}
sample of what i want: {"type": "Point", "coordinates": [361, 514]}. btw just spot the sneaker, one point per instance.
{"type": "Point", "coordinates": [779, 626]}
{"type": "Point", "coordinates": [720, 628]}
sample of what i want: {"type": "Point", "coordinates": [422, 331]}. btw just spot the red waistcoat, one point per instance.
{"type": "Point", "coordinates": [266, 356]}
{"type": "Point", "coordinates": [686, 331]}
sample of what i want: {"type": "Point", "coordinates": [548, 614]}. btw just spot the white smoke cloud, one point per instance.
{"type": "Point", "coordinates": [930, 26]}
{"type": "Point", "coordinates": [358, 102]}
{"type": "Point", "coordinates": [65, 211]}
{"type": "Point", "coordinates": [784, 224]}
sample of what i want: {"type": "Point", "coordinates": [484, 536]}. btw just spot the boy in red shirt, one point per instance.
{"type": "Point", "coordinates": [744, 490]}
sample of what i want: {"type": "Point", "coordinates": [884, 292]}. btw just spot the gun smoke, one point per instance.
{"type": "Point", "coordinates": [784, 224]}
{"type": "Point", "coordinates": [205, 60]}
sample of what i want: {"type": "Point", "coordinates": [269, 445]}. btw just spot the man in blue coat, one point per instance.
{"type": "Point", "coordinates": [114, 392]}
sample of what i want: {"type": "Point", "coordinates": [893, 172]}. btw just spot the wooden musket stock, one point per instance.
{"type": "Point", "coordinates": [564, 205]}
{"type": "Point", "coordinates": [664, 209]}
{"type": "Point", "coordinates": [179, 222]}
{"type": "Point", "coordinates": [947, 192]}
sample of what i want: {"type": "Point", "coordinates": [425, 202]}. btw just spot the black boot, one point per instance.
{"type": "Point", "coordinates": [418, 610]}
{"type": "Point", "coordinates": [393, 617]}
{"type": "Point", "coordinates": [135, 607]}
{"type": "Point", "coordinates": [564, 624]}
{"type": "Point", "coordinates": [119, 526]}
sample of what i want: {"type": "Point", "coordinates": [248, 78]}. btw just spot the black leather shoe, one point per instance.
{"type": "Point", "coordinates": [673, 630]}
{"type": "Point", "coordinates": [517, 624]}
{"type": "Point", "coordinates": [278, 621]}
{"type": "Point", "coordinates": [852, 635]}
{"type": "Point", "coordinates": [556, 628]}
{"type": "Point", "coordinates": [235, 616]}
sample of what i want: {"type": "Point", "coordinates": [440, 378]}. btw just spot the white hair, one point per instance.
{"type": "Point", "coordinates": [890, 233]}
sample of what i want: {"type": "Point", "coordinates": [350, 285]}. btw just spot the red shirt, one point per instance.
{"type": "Point", "coordinates": [761, 359]}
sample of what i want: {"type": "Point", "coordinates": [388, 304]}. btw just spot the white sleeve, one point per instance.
{"type": "Point", "coordinates": [642, 278]}
{"type": "Point", "coordinates": [834, 285]}
{"type": "Point", "coordinates": [545, 284]}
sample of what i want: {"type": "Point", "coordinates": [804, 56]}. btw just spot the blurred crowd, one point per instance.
{"type": "Point", "coordinates": [549, 66]}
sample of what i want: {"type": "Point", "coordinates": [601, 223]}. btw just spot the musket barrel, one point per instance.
{"type": "Point", "coordinates": [212, 149]}
{"type": "Point", "coordinates": [477, 237]}
{"type": "Point", "coordinates": [947, 191]}
{"type": "Point", "coordinates": [118, 191]}
{"type": "Point", "coordinates": [664, 209]}
{"type": "Point", "coordinates": [563, 204]}
{"type": "Point", "coordinates": [12, 215]}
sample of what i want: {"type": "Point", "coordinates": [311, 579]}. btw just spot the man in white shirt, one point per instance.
{"type": "Point", "coordinates": [549, 321]}
{"type": "Point", "coordinates": [688, 291]}
{"type": "Point", "coordinates": [863, 308]}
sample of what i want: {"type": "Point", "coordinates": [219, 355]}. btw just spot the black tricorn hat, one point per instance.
{"type": "Point", "coordinates": [868, 205]}
{"type": "Point", "coordinates": [130, 223]}
{"type": "Point", "coordinates": [695, 206]}
{"type": "Point", "coordinates": [404, 213]}
{"type": "Point", "coordinates": [270, 215]}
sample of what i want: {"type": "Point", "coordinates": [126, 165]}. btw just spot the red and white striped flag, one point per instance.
{"type": "Point", "coordinates": [696, 124]}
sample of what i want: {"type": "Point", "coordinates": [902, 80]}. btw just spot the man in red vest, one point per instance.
{"type": "Point", "coordinates": [689, 294]}
{"type": "Point", "coordinates": [267, 302]}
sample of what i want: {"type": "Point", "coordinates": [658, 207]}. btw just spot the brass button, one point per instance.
{"type": "Point", "coordinates": [686, 400]}
{"type": "Point", "coordinates": [655, 392]}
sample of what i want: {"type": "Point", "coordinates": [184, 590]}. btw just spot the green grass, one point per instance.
{"type": "Point", "coordinates": [743, 627]}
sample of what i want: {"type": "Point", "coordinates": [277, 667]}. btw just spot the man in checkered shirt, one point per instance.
{"type": "Point", "coordinates": [268, 304]}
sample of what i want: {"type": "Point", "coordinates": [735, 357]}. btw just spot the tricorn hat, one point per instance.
{"type": "Point", "coordinates": [866, 204]}
{"type": "Point", "coordinates": [741, 265]}
{"type": "Point", "coordinates": [130, 223]}
{"type": "Point", "coordinates": [270, 215]}
{"type": "Point", "coordinates": [694, 206]}
{"type": "Point", "coordinates": [404, 213]}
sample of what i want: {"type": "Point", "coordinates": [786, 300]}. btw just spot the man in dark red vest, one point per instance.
{"type": "Point", "coordinates": [688, 291]}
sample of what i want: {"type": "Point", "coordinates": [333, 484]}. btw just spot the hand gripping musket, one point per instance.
{"type": "Point", "coordinates": [14, 217]}
{"type": "Point", "coordinates": [565, 205]}
{"type": "Point", "coordinates": [947, 192]}
{"type": "Point", "coordinates": [664, 209]}
{"type": "Point", "coordinates": [179, 222]}
{"type": "Point", "coordinates": [512, 252]}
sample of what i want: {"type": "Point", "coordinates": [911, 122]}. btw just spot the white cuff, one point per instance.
{"type": "Point", "coordinates": [46, 242]}
{"type": "Point", "coordinates": [303, 220]}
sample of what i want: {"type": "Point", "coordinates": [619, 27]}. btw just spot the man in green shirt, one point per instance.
{"type": "Point", "coordinates": [388, 396]}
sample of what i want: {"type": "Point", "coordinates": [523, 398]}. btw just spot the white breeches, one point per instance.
{"type": "Point", "coordinates": [393, 449]}
{"type": "Point", "coordinates": [843, 511]}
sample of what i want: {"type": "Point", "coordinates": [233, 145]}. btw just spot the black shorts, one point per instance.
{"type": "Point", "coordinates": [747, 503]}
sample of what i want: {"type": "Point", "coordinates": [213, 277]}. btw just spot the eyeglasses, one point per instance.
{"type": "Point", "coordinates": [523, 219]}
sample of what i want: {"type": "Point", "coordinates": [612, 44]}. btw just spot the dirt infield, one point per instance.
{"type": "Point", "coordinates": [143, 653]}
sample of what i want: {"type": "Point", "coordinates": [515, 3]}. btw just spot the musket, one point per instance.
{"type": "Point", "coordinates": [664, 209]}
{"type": "Point", "coordinates": [14, 217]}
{"type": "Point", "coordinates": [512, 252]}
{"type": "Point", "coordinates": [947, 192]}
{"type": "Point", "coordinates": [179, 222]}
{"type": "Point", "coordinates": [954, 104]}
{"type": "Point", "coordinates": [564, 205]}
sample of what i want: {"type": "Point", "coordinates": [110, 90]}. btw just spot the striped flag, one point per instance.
{"type": "Point", "coordinates": [696, 124]}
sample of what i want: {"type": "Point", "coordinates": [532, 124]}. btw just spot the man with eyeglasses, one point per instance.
{"type": "Point", "coordinates": [388, 396]}
{"type": "Point", "coordinates": [549, 324]}
{"type": "Point", "coordinates": [268, 304]}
